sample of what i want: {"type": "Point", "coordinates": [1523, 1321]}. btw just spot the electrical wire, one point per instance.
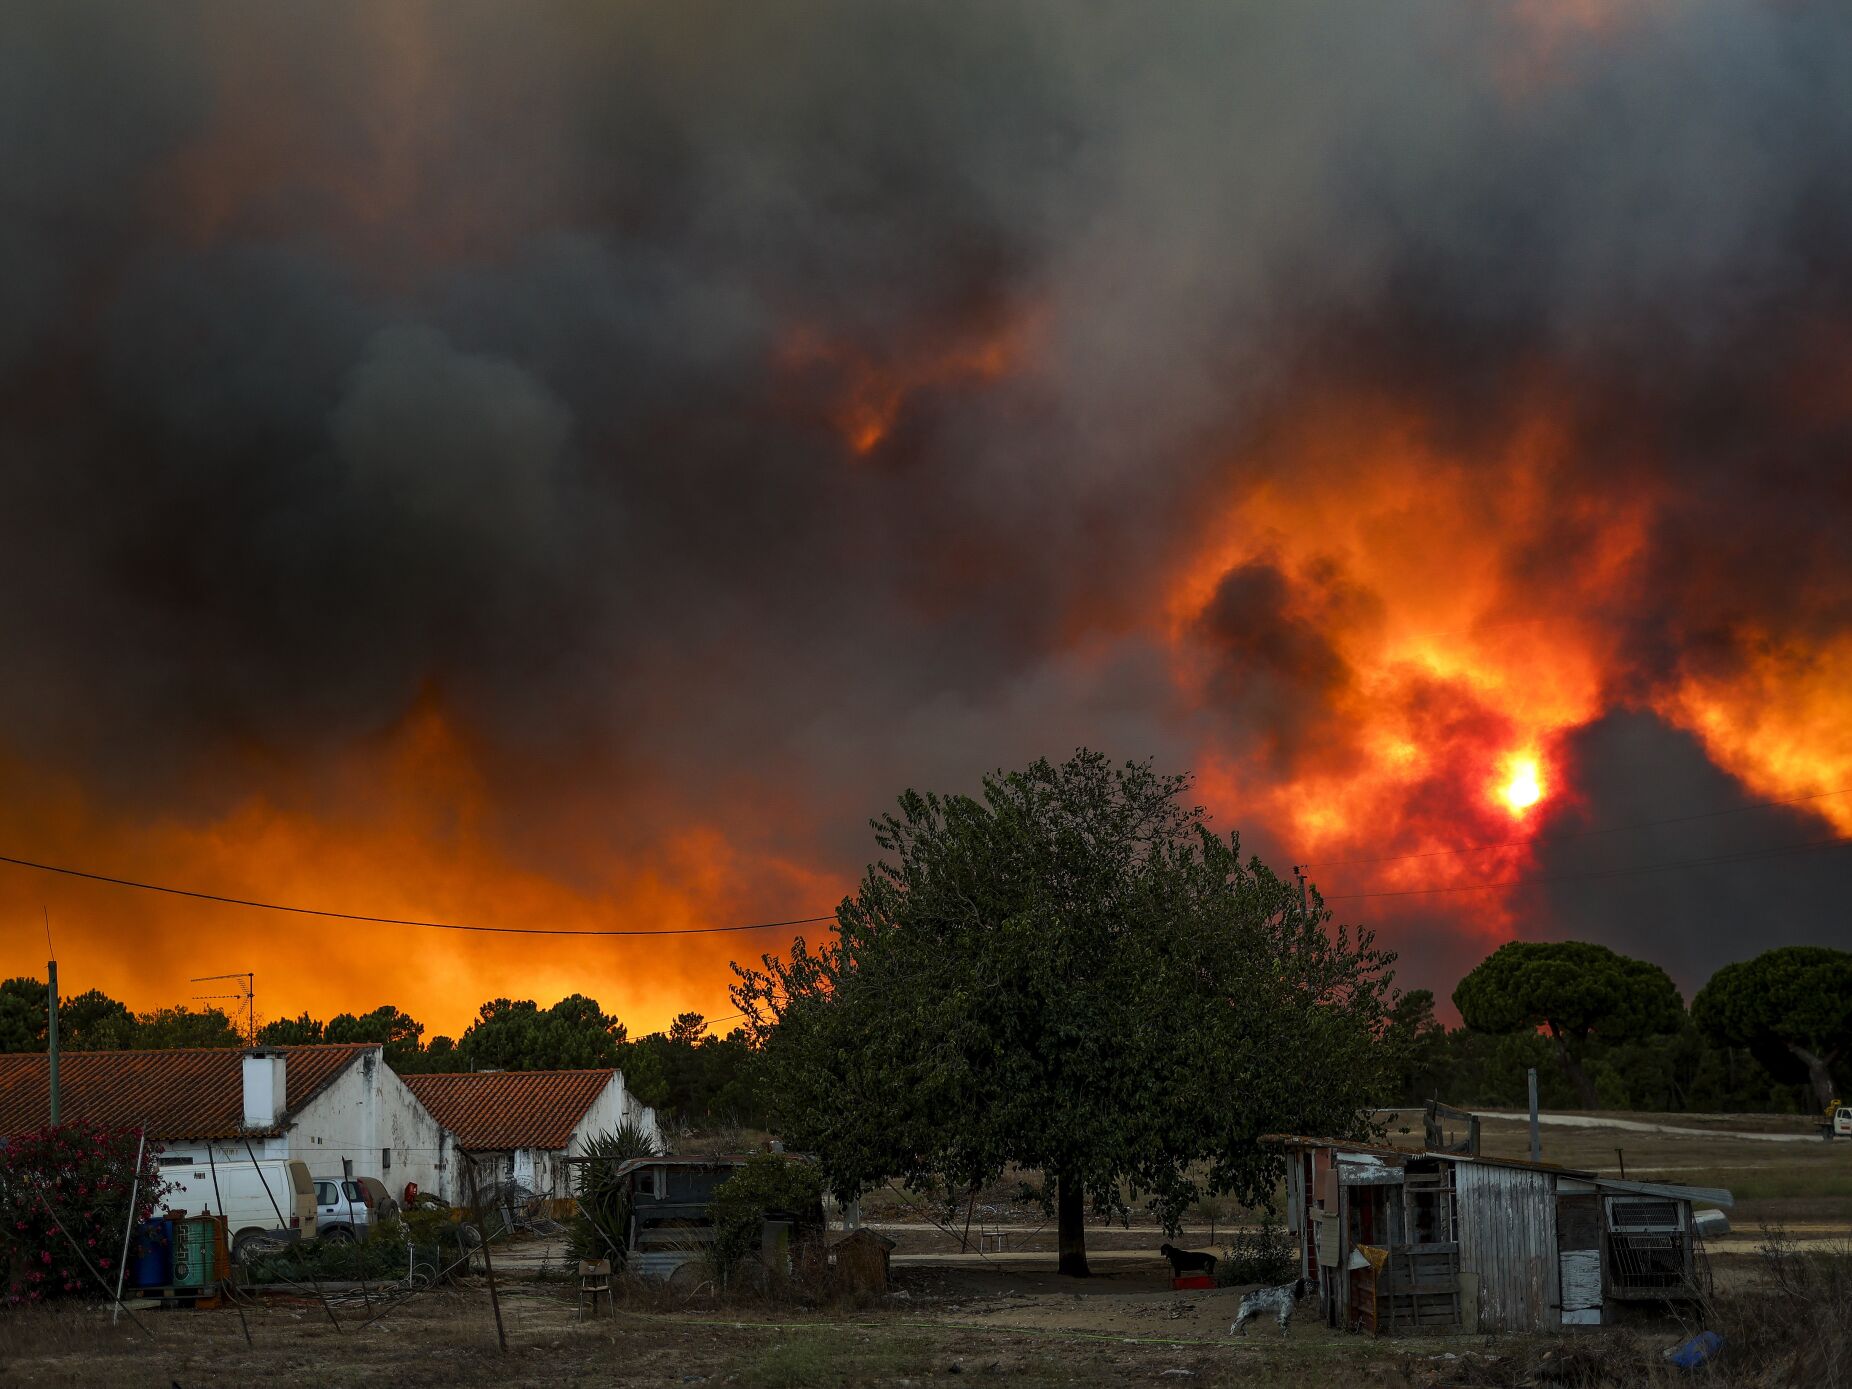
{"type": "Point", "coordinates": [399, 920]}
{"type": "Point", "coordinates": [261, 905]}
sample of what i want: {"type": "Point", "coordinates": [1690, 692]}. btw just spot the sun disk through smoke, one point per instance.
{"type": "Point", "coordinates": [1523, 787]}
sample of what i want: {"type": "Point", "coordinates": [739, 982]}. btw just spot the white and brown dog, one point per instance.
{"type": "Point", "coordinates": [1279, 1301]}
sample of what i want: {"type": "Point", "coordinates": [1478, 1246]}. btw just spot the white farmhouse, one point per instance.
{"type": "Point", "coordinates": [520, 1126]}
{"type": "Point", "coordinates": [323, 1105]}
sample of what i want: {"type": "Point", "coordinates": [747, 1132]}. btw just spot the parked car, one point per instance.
{"type": "Point", "coordinates": [266, 1203]}
{"type": "Point", "coordinates": [379, 1200]}
{"type": "Point", "coordinates": [350, 1207]}
{"type": "Point", "coordinates": [340, 1209]}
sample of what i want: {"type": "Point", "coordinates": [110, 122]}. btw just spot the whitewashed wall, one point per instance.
{"type": "Point", "coordinates": [367, 1113]}
{"type": "Point", "coordinates": [614, 1105]}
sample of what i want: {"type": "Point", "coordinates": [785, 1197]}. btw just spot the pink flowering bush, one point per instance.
{"type": "Point", "coordinates": [84, 1173]}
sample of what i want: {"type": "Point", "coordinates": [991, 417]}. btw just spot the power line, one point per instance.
{"type": "Point", "coordinates": [1576, 834]}
{"type": "Point", "coordinates": [1743, 857]}
{"type": "Point", "coordinates": [399, 920]}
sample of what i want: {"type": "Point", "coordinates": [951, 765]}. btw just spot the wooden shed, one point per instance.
{"type": "Point", "coordinates": [671, 1216]}
{"type": "Point", "coordinates": [859, 1262]}
{"type": "Point", "coordinates": [1399, 1240]}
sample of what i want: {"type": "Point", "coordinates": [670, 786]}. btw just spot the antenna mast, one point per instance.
{"type": "Point", "coordinates": [248, 996]}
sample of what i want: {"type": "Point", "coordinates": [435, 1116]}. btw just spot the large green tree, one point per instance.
{"type": "Point", "coordinates": [89, 1021]}
{"type": "Point", "coordinates": [399, 1033]}
{"type": "Point", "coordinates": [1071, 974]}
{"type": "Point", "coordinates": [1574, 990]}
{"type": "Point", "coordinates": [519, 1035]}
{"type": "Point", "coordinates": [1792, 1005]}
{"type": "Point", "coordinates": [689, 1075]}
{"type": "Point", "coordinates": [302, 1031]}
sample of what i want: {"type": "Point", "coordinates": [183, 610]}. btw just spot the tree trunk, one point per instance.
{"type": "Point", "coordinates": [1818, 1075]}
{"type": "Point", "coordinates": [1584, 1089]}
{"type": "Point", "coordinates": [1070, 1217]}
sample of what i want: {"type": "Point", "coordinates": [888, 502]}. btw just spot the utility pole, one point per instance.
{"type": "Point", "coordinates": [1536, 1138]}
{"type": "Point", "coordinates": [51, 1012]}
{"type": "Point", "coordinates": [51, 1032]}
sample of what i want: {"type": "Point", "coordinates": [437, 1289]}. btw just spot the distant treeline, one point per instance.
{"type": "Point", "coordinates": [1603, 1031]}
{"type": "Point", "coordinates": [1682, 1070]}
{"type": "Point", "coordinates": [687, 1074]}
{"type": "Point", "coordinates": [1770, 1034]}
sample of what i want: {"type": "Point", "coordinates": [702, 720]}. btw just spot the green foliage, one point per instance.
{"type": "Point", "coordinates": [770, 1184]}
{"type": "Point", "coordinates": [695, 1077]}
{"type": "Point", "coordinates": [517, 1035]}
{"type": "Point", "coordinates": [303, 1031]}
{"type": "Point", "coordinates": [79, 1176]}
{"type": "Point", "coordinates": [1573, 989]}
{"type": "Point", "coordinates": [1792, 1006]}
{"type": "Point", "coordinates": [182, 1027]}
{"type": "Point", "coordinates": [93, 1021]}
{"type": "Point", "coordinates": [1416, 1044]}
{"type": "Point", "coordinates": [601, 1227]}
{"type": "Point", "coordinates": [1071, 974]}
{"type": "Point", "coordinates": [426, 1241]}
{"type": "Point", "coordinates": [1259, 1253]}
{"type": "Point", "coordinates": [398, 1033]}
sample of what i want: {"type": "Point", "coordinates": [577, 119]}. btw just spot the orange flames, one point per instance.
{"type": "Point", "coordinates": [401, 828]}
{"type": "Point", "coordinates": [868, 388]}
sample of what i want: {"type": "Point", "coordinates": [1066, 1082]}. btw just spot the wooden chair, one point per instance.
{"type": "Point", "coordinates": [595, 1278]}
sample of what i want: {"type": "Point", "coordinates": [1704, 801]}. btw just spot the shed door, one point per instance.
{"type": "Point", "coordinates": [1578, 1238]}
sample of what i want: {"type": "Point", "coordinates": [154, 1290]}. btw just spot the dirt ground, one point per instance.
{"type": "Point", "coordinates": [1023, 1328]}
{"type": "Point", "coordinates": [1001, 1316]}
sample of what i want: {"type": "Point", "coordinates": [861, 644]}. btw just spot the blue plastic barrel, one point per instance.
{"type": "Point", "coordinates": [151, 1259]}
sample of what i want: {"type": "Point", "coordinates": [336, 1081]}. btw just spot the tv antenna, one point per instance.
{"type": "Point", "coordinates": [247, 996]}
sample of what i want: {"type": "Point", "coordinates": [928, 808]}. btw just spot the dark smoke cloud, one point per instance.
{"type": "Point", "coordinates": [1277, 675]}
{"type": "Point", "coordinates": [480, 382]}
{"type": "Point", "coordinates": [1631, 769]}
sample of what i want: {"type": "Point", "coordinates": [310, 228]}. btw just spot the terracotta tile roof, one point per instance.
{"type": "Point", "coordinates": [495, 1110]}
{"type": "Point", "coordinates": [186, 1093]}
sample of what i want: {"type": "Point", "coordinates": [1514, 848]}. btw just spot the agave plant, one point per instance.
{"type": "Point", "coordinates": [600, 1228]}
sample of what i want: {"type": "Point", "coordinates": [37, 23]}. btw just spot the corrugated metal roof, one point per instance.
{"type": "Point", "coordinates": [492, 1111]}
{"type": "Point", "coordinates": [1714, 1195]}
{"type": "Point", "coordinates": [194, 1092]}
{"type": "Point", "coordinates": [1345, 1145]}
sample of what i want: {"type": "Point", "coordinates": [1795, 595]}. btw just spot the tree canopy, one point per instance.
{"type": "Point", "coordinates": [518, 1035]}
{"type": "Point", "coordinates": [1792, 1005]}
{"type": "Point", "coordinates": [1573, 989]}
{"type": "Point", "coordinates": [1068, 973]}
{"type": "Point", "coordinates": [93, 1021]}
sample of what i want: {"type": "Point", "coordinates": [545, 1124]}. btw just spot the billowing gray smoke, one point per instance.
{"type": "Point", "coordinates": [354, 353]}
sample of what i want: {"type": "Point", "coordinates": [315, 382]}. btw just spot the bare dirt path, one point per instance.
{"type": "Point", "coordinates": [1600, 1121]}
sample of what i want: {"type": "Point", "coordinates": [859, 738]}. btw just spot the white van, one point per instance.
{"type": "Point", "coordinates": [271, 1201]}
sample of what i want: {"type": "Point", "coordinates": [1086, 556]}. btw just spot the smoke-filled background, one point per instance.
{"type": "Point", "coordinates": [568, 464]}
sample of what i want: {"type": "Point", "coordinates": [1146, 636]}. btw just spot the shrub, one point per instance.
{"type": "Point", "coordinates": [417, 1246]}
{"type": "Point", "coordinates": [1260, 1253]}
{"type": "Point", "coordinates": [600, 1229]}
{"type": "Point", "coordinates": [83, 1172]}
{"type": "Point", "coordinates": [1793, 1323]}
{"type": "Point", "coordinates": [767, 1184]}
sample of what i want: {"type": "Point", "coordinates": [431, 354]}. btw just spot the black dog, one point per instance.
{"type": "Point", "coordinates": [1182, 1260]}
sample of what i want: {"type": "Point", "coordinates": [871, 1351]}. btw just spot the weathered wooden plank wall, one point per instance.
{"type": "Point", "coordinates": [1508, 1237]}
